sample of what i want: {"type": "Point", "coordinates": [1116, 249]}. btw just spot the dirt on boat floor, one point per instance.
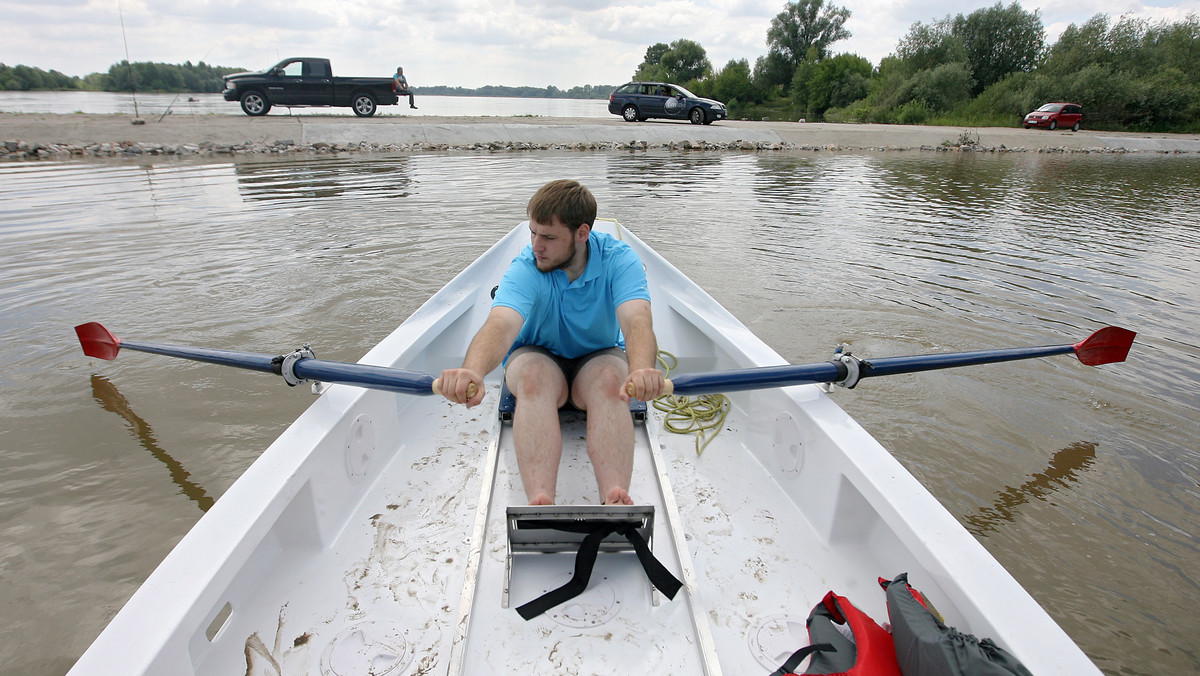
{"type": "Point", "coordinates": [52, 136]}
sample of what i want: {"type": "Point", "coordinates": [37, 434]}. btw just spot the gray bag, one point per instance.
{"type": "Point", "coordinates": [925, 646]}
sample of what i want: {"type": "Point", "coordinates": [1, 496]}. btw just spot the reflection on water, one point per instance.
{"type": "Point", "coordinates": [902, 253]}
{"type": "Point", "coordinates": [1062, 470]}
{"type": "Point", "coordinates": [154, 106]}
{"type": "Point", "coordinates": [324, 178]}
{"type": "Point", "coordinates": [110, 399]}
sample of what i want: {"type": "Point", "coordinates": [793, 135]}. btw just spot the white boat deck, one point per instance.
{"type": "Point", "coordinates": [404, 563]}
{"type": "Point", "coordinates": [359, 543]}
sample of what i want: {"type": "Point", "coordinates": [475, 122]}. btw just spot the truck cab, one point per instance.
{"type": "Point", "coordinates": [302, 81]}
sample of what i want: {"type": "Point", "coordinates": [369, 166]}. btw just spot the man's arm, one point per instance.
{"type": "Point", "coordinates": [485, 353]}
{"type": "Point", "coordinates": [641, 348]}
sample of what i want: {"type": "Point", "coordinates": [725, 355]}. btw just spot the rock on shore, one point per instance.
{"type": "Point", "coordinates": [60, 137]}
{"type": "Point", "coordinates": [23, 150]}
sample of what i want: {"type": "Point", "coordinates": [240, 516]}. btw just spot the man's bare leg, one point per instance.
{"type": "Point", "coordinates": [609, 426]}
{"type": "Point", "coordinates": [540, 388]}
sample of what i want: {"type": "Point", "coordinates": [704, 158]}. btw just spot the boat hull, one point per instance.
{"type": "Point", "coordinates": [374, 526]}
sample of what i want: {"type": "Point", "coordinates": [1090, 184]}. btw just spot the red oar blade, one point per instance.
{"type": "Point", "coordinates": [98, 341]}
{"type": "Point", "coordinates": [1108, 345]}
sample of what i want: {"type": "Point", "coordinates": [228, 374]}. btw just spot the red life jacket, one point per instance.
{"type": "Point", "coordinates": [870, 653]}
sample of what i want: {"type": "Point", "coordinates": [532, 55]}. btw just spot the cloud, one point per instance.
{"type": "Point", "coordinates": [461, 42]}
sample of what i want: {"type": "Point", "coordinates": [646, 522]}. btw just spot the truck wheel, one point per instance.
{"type": "Point", "coordinates": [364, 105]}
{"type": "Point", "coordinates": [255, 104]}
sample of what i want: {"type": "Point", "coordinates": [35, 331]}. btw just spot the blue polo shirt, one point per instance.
{"type": "Point", "coordinates": [580, 317]}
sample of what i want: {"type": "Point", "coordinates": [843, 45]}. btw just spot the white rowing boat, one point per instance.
{"type": "Point", "coordinates": [372, 537]}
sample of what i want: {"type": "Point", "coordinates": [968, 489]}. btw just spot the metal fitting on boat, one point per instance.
{"type": "Point", "coordinates": [852, 364]}
{"type": "Point", "coordinates": [287, 367]}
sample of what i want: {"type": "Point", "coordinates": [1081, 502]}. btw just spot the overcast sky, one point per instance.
{"type": "Point", "coordinates": [466, 43]}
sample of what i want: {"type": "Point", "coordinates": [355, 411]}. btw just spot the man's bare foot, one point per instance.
{"type": "Point", "coordinates": [618, 496]}
{"type": "Point", "coordinates": [542, 499]}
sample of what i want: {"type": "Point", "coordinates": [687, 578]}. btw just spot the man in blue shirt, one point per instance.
{"type": "Point", "coordinates": [563, 312]}
{"type": "Point", "coordinates": [400, 86]}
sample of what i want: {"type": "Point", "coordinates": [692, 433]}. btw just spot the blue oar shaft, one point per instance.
{"type": "Point", "coordinates": [243, 360]}
{"type": "Point", "coordinates": [738, 380]}
{"type": "Point", "coordinates": [364, 375]}
{"type": "Point", "coordinates": [929, 362]}
{"type": "Point", "coordinates": [361, 375]}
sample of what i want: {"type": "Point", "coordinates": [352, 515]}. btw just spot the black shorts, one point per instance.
{"type": "Point", "coordinates": [569, 367]}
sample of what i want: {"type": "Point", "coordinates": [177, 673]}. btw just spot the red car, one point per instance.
{"type": "Point", "coordinates": [1055, 115]}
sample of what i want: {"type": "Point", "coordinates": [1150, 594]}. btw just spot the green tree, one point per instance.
{"type": "Point", "coordinates": [943, 87]}
{"type": "Point", "coordinates": [1177, 46]}
{"type": "Point", "coordinates": [686, 60]}
{"type": "Point", "coordinates": [772, 70]}
{"type": "Point", "coordinates": [1079, 47]}
{"type": "Point", "coordinates": [26, 78]}
{"type": "Point", "coordinates": [166, 77]}
{"type": "Point", "coordinates": [1000, 40]}
{"type": "Point", "coordinates": [836, 82]}
{"type": "Point", "coordinates": [681, 61]}
{"type": "Point", "coordinates": [1132, 74]}
{"type": "Point", "coordinates": [929, 46]}
{"type": "Point", "coordinates": [733, 84]}
{"type": "Point", "coordinates": [807, 24]}
{"type": "Point", "coordinates": [801, 26]}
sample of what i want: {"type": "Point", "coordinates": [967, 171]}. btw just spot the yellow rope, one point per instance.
{"type": "Point", "coordinates": [615, 223]}
{"type": "Point", "coordinates": [703, 415]}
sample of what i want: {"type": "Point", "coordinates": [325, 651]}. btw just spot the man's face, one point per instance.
{"type": "Point", "coordinates": [553, 244]}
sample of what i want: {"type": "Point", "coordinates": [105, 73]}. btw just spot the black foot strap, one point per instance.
{"type": "Point", "coordinates": [585, 560]}
{"type": "Point", "coordinates": [793, 662]}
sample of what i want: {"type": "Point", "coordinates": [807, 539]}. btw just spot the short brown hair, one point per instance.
{"type": "Point", "coordinates": [565, 199]}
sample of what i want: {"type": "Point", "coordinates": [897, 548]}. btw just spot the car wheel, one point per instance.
{"type": "Point", "coordinates": [1075, 127]}
{"type": "Point", "coordinates": [1053, 125]}
{"type": "Point", "coordinates": [1027, 126]}
{"type": "Point", "coordinates": [696, 116]}
{"type": "Point", "coordinates": [630, 113]}
{"type": "Point", "coordinates": [364, 105]}
{"type": "Point", "coordinates": [255, 104]}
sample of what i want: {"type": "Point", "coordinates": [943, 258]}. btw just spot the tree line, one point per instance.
{"type": "Point", "coordinates": [986, 68]}
{"type": "Point", "coordinates": [204, 78]}
{"type": "Point", "coordinates": [123, 76]}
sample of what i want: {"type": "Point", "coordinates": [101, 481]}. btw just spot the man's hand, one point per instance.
{"type": "Point", "coordinates": [643, 384]}
{"type": "Point", "coordinates": [461, 386]}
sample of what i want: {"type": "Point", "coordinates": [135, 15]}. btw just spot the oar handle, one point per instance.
{"type": "Point", "coordinates": [471, 389]}
{"type": "Point", "coordinates": [668, 388]}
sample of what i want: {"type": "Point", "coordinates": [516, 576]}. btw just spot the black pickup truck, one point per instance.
{"type": "Point", "coordinates": [307, 82]}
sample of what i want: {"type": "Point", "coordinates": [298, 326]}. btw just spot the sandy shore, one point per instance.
{"type": "Point", "coordinates": [69, 133]}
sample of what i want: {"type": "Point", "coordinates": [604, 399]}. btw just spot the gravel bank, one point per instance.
{"type": "Point", "coordinates": [58, 137]}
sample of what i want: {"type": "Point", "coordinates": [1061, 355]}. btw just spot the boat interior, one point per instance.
{"type": "Point", "coordinates": [374, 535]}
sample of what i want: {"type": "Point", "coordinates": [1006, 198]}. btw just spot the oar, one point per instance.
{"type": "Point", "coordinates": [1108, 345]}
{"type": "Point", "coordinates": [295, 367]}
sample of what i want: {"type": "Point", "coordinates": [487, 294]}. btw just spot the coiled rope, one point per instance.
{"type": "Point", "coordinates": [703, 415]}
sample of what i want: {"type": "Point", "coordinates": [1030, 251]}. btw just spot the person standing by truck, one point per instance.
{"type": "Point", "coordinates": [400, 86]}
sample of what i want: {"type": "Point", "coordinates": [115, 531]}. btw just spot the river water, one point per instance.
{"type": "Point", "coordinates": [153, 106]}
{"type": "Point", "coordinates": [1082, 481]}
